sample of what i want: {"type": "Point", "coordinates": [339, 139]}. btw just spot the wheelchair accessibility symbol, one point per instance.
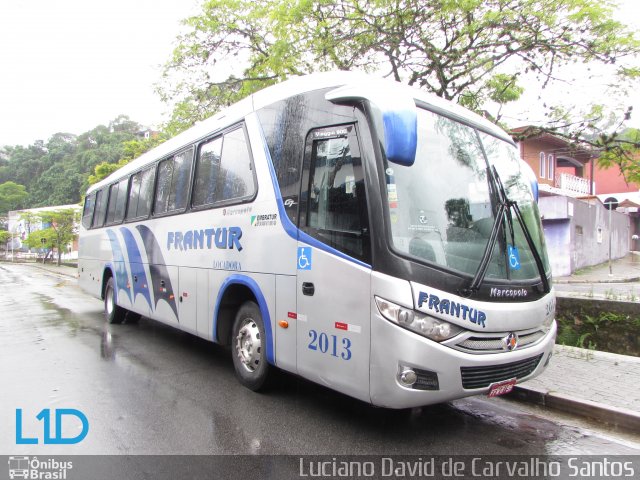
{"type": "Point", "coordinates": [304, 258]}
{"type": "Point", "coordinates": [514, 257]}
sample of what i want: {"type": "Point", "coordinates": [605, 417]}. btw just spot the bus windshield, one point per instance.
{"type": "Point", "coordinates": [442, 208]}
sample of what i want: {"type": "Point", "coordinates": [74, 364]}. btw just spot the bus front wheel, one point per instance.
{"type": "Point", "coordinates": [113, 312]}
{"type": "Point", "coordinates": [248, 344]}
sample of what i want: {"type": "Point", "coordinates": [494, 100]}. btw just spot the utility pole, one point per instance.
{"type": "Point", "coordinates": [610, 204]}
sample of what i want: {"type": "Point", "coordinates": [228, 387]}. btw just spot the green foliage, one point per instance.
{"type": "Point", "coordinates": [4, 237]}
{"type": "Point", "coordinates": [41, 239]}
{"type": "Point", "coordinates": [623, 152]}
{"type": "Point", "coordinates": [104, 169]}
{"type": "Point", "coordinates": [58, 172]}
{"type": "Point", "coordinates": [131, 149]}
{"type": "Point", "coordinates": [12, 196]}
{"type": "Point", "coordinates": [471, 51]}
{"type": "Point", "coordinates": [606, 330]}
{"type": "Point", "coordinates": [60, 233]}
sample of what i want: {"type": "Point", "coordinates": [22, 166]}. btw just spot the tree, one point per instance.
{"type": "Point", "coordinates": [132, 149]}
{"type": "Point", "coordinates": [60, 232]}
{"type": "Point", "coordinates": [12, 196]}
{"type": "Point", "coordinates": [4, 237]}
{"type": "Point", "coordinates": [472, 51]}
{"type": "Point", "coordinates": [56, 172]}
{"type": "Point", "coordinates": [479, 53]}
{"type": "Point", "coordinates": [624, 154]}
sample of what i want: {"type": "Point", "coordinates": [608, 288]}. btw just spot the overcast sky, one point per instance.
{"type": "Point", "coordinates": [70, 65]}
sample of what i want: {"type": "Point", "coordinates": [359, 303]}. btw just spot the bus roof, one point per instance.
{"type": "Point", "coordinates": [281, 91]}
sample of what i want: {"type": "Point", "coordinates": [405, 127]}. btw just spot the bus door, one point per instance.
{"type": "Point", "coordinates": [333, 258]}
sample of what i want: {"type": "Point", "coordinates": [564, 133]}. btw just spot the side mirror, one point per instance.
{"type": "Point", "coordinates": [398, 115]}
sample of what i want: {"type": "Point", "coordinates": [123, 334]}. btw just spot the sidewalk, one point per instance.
{"type": "Point", "coordinates": [598, 385]}
{"type": "Point", "coordinates": [60, 270]}
{"type": "Point", "coordinates": [626, 269]}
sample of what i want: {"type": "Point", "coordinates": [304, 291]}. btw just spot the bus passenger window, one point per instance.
{"type": "Point", "coordinates": [101, 209]}
{"type": "Point", "coordinates": [173, 183]}
{"type": "Point", "coordinates": [87, 213]}
{"type": "Point", "coordinates": [165, 172]}
{"type": "Point", "coordinates": [235, 176]}
{"type": "Point", "coordinates": [207, 166]}
{"type": "Point", "coordinates": [121, 204]}
{"type": "Point", "coordinates": [180, 181]}
{"type": "Point", "coordinates": [146, 193]}
{"type": "Point", "coordinates": [140, 194]}
{"type": "Point", "coordinates": [134, 195]}
{"type": "Point", "coordinates": [117, 201]}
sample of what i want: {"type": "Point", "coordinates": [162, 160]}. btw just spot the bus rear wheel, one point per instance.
{"type": "Point", "coordinates": [248, 346]}
{"type": "Point", "coordinates": [112, 311]}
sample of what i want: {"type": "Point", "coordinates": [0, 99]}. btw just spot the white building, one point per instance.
{"type": "Point", "coordinates": [21, 228]}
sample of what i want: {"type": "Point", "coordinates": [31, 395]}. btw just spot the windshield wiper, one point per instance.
{"type": "Point", "coordinates": [504, 213]}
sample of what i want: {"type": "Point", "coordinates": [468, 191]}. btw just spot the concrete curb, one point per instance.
{"type": "Point", "coordinates": [620, 418]}
{"type": "Point", "coordinates": [600, 280]}
{"type": "Point", "coordinates": [66, 271]}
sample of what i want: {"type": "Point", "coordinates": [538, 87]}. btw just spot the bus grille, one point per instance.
{"type": "Point", "coordinates": [495, 344]}
{"type": "Point", "coordinates": [480, 377]}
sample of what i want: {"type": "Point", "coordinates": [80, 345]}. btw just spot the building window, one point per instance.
{"type": "Point", "coordinates": [543, 165]}
{"type": "Point", "coordinates": [551, 160]}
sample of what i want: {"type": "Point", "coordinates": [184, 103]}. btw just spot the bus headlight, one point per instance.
{"type": "Point", "coordinates": [430, 327]}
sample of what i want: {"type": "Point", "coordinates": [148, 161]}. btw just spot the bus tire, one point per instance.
{"type": "Point", "coordinates": [112, 311]}
{"type": "Point", "coordinates": [248, 347]}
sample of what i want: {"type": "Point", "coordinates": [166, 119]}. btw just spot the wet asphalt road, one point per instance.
{"type": "Point", "coordinates": [150, 389]}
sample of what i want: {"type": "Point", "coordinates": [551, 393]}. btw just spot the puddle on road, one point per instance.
{"type": "Point", "coordinates": [107, 346]}
{"type": "Point", "coordinates": [561, 434]}
{"type": "Point", "coordinates": [60, 316]}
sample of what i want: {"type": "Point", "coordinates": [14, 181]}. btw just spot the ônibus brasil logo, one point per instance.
{"type": "Point", "coordinates": [34, 468]}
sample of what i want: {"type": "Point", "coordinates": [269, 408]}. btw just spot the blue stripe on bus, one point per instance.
{"type": "Point", "coordinates": [120, 270]}
{"type": "Point", "coordinates": [237, 279]}
{"type": "Point", "coordinates": [137, 267]}
{"type": "Point", "coordinates": [293, 231]}
{"type": "Point", "coordinates": [158, 270]}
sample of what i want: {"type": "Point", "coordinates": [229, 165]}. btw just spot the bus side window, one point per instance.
{"type": "Point", "coordinates": [140, 194]}
{"type": "Point", "coordinates": [180, 181]}
{"type": "Point", "coordinates": [165, 172]}
{"type": "Point", "coordinates": [146, 193]}
{"type": "Point", "coordinates": [117, 201]}
{"type": "Point", "coordinates": [207, 167]}
{"type": "Point", "coordinates": [173, 183]}
{"type": "Point", "coordinates": [336, 210]}
{"type": "Point", "coordinates": [87, 213]}
{"type": "Point", "coordinates": [134, 195]}
{"type": "Point", "coordinates": [235, 176]}
{"type": "Point", "coordinates": [101, 208]}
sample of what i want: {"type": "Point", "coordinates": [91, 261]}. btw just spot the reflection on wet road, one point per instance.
{"type": "Point", "coordinates": [150, 389]}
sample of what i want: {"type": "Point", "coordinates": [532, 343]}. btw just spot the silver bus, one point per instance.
{"type": "Point", "coordinates": [353, 231]}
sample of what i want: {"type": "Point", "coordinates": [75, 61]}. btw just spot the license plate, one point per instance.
{"type": "Point", "coordinates": [501, 388]}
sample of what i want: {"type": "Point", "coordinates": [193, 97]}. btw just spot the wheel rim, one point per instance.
{"type": "Point", "coordinates": [249, 345]}
{"type": "Point", "coordinates": [109, 302]}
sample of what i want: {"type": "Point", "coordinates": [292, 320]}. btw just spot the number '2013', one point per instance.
{"type": "Point", "coordinates": [331, 344]}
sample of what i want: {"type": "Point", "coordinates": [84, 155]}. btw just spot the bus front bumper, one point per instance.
{"type": "Point", "coordinates": [441, 369]}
